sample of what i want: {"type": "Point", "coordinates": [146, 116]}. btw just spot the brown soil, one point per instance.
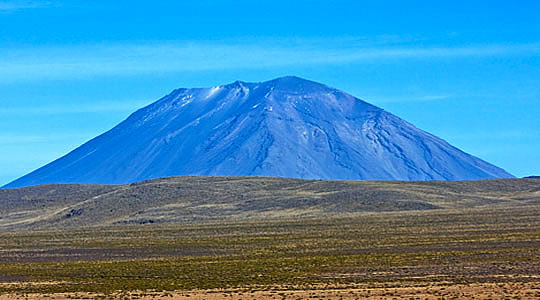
{"type": "Point", "coordinates": [519, 290]}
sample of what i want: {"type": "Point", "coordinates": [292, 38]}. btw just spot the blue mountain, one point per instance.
{"type": "Point", "coordinates": [287, 127]}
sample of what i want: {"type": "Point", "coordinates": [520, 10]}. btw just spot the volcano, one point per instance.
{"type": "Point", "coordinates": [286, 127]}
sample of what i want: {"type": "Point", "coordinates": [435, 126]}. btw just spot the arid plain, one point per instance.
{"type": "Point", "coordinates": [268, 238]}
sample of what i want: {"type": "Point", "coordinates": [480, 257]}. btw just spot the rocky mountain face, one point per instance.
{"type": "Point", "coordinates": [286, 127]}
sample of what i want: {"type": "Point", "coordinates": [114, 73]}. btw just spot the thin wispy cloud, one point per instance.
{"type": "Point", "coordinates": [503, 135]}
{"type": "Point", "coordinates": [23, 139]}
{"type": "Point", "coordinates": [100, 107]}
{"type": "Point", "coordinates": [423, 98]}
{"type": "Point", "coordinates": [71, 62]}
{"type": "Point", "coordinates": [10, 6]}
{"type": "Point", "coordinates": [7, 139]}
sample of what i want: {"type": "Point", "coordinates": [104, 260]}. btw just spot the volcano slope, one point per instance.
{"type": "Point", "coordinates": [272, 238]}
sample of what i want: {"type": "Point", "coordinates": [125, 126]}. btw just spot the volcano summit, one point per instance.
{"type": "Point", "coordinates": [286, 127]}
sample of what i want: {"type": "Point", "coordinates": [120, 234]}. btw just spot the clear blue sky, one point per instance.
{"type": "Point", "coordinates": [467, 71]}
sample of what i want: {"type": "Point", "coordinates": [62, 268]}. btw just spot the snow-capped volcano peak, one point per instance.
{"type": "Point", "coordinates": [287, 127]}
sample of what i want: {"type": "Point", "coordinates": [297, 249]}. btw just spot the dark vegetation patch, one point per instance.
{"type": "Point", "coordinates": [74, 213]}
